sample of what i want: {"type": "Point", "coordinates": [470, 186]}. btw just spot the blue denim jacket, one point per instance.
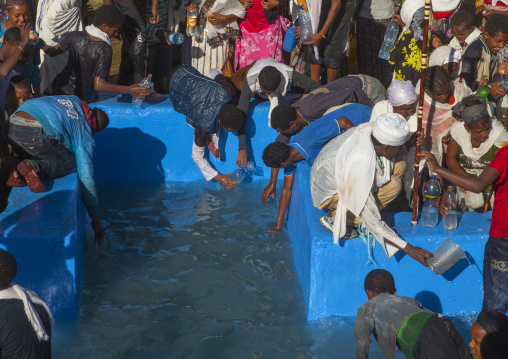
{"type": "Point", "coordinates": [383, 315]}
{"type": "Point", "coordinates": [62, 119]}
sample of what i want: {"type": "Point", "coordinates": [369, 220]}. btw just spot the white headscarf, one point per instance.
{"type": "Point", "coordinates": [402, 93]}
{"type": "Point", "coordinates": [408, 10]}
{"type": "Point", "coordinates": [96, 32]}
{"type": "Point", "coordinates": [444, 55]}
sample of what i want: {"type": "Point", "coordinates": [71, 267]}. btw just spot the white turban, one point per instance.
{"type": "Point", "coordinates": [391, 129]}
{"type": "Point", "coordinates": [444, 55]}
{"type": "Point", "coordinates": [408, 9]}
{"type": "Point", "coordinates": [402, 93]}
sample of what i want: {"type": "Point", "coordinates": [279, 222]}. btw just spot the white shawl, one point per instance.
{"type": "Point", "coordinates": [96, 32]}
{"type": "Point", "coordinates": [28, 297]}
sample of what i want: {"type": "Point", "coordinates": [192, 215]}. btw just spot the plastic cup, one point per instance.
{"type": "Point", "coordinates": [237, 176]}
{"type": "Point", "coordinates": [445, 256]}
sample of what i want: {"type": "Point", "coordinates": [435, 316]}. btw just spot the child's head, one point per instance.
{"type": "Point", "coordinates": [231, 117]}
{"type": "Point", "coordinates": [269, 79]}
{"type": "Point", "coordinates": [12, 39]}
{"type": "Point", "coordinates": [379, 281]}
{"type": "Point", "coordinates": [487, 322]}
{"type": "Point", "coordinates": [284, 120]}
{"type": "Point", "coordinates": [8, 268]}
{"type": "Point", "coordinates": [102, 119]}
{"type": "Point", "coordinates": [472, 110]}
{"type": "Point", "coordinates": [462, 25]}
{"type": "Point", "coordinates": [19, 90]}
{"type": "Point", "coordinates": [496, 32]}
{"type": "Point", "coordinates": [275, 154]}
{"type": "Point", "coordinates": [109, 19]}
{"type": "Point", "coordinates": [437, 84]}
{"type": "Point", "coordinates": [17, 12]}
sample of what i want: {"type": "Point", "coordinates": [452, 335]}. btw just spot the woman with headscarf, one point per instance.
{"type": "Point", "coordinates": [487, 322]}
{"type": "Point", "coordinates": [474, 142]}
{"type": "Point", "coordinates": [406, 55]}
{"type": "Point", "coordinates": [216, 24]}
{"type": "Point", "coordinates": [262, 33]}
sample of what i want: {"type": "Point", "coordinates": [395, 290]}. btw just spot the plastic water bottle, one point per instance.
{"type": "Point", "coordinates": [192, 21]}
{"type": "Point", "coordinates": [392, 30]}
{"type": "Point", "coordinates": [305, 25]}
{"type": "Point", "coordinates": [237, 176]}
{"type": "Point", "coordinates": [431, 192]}
{"type": "Point", "coordinates": [504, 84]}
{"type": "Point", "coordinates": [450, 204]}
{"type": "Point", "coordinates": [251, 168]}
{"type": "Point", "coordinates": [146, 83]}
{"type": "Point", "coordinates": [175, 38]}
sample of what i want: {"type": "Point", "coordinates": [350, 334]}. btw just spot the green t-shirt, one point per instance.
{"type": "Point", "coordinates": [410, 330]}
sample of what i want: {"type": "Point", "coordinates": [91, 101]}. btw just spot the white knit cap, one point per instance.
{"type": "Point", "coordinates": [402, 93]}
{"type": "Point", "coordinates": [391, 129]}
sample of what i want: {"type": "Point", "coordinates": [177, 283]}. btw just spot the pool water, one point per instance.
{"type": "Point", "coordinates": [186, 271]}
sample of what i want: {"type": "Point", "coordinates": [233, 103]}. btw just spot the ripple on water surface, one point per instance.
{"type": "Point", "coordinates": [186, 272]}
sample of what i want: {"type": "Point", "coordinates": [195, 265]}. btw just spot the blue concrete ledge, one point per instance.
{"type": "Point", "coordinates": [46, 233]}
{"type": "Point", "coordinates": [332, 276]}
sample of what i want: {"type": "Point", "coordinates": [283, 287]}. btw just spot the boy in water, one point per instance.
{"type": "Point", "coordinates": [90, 56]}
{"type": "Point", "coordinates": [404, 323]}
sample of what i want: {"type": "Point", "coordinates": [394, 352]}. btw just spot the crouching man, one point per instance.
{"type": "Point", "coordinates": [354, 175]}
{"type": "Point", "coordinates": [52, 137]}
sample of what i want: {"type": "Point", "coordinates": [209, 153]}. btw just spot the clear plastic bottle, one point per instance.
{"type": "Point", "coordinates": [305, 25]}
{"type": "Point", "coordinates": [146, 83]}
{"type": "Point", "coordinates": [192, 17]}
{"type": "Point", "coordinates": [237, 176]}
{"type": "Point", "coordinates": [504, 84]}
{"type": "Point", "coordinates": [392, 30]}
{"type": "Point", "coordinates": [175, 38]}
{"type": "Point", "coordinates": [450, 204]}
{"type": "Point", "coordinates": [431, 191]}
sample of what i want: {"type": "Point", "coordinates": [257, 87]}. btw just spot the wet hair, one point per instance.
{"type": "Point", "coordinates": [494, 346]}
{"type": "Point", "coordinates": [269, 78]}
{"type": "Point", "coordinates": [380, 281]}
{"type": "Point", "coordinates": [495, 24]}
{"type": "Point", "coordinates": [492, 321]}
{"type": "Point", "coordinates": [102, 119]}
{"type": "Point", "coordinates": [19, 82]}
{"type": "Point", "coordinates": [13, 36]}
{"type": "Point", "coordinates": [231, 117]}
{"type": "Point", "coordinates": [436, 78]}
{"type": "Point", "coordinates": [472, 109]}
{"type": "Point", "coordinates": [109, 15]}
{"type": "Point", "coordinates": [282, 116]}
{"type": "Point", "coordinates": [463, 18]}
{"type": "Point", "coordinates": [10, 4]}
{"type": "Point", "coordinates": [275, 153]}
{"type": "Point", "coordinates": [8, 268]}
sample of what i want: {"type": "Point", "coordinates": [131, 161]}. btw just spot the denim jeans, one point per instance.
{"type": "Point", "coordinates": [495, 275]}
{"type": "Point", "coordinates": [50, 157]}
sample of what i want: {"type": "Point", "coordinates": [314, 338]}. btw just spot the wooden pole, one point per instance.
{"type": "Point", "coordinates": [423, 69]}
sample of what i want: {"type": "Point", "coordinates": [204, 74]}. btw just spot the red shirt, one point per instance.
{"type": "Point", "coordinates": [499, 225]}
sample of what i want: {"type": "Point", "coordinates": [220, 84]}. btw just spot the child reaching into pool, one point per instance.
{"type": "Point", "coordinates": [19, 91]}
{"type": "Point", "coordinates": [404, 323]}
{"type": "Point", "coordinates": [496, 250]}
{"type": "Point", "coordinates": [90, 56]}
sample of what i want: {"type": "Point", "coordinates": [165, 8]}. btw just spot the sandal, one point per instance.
{"type": "Point", "coordinates": [14, 179]}
{"type": "Point", "coordinates": [29, 172]}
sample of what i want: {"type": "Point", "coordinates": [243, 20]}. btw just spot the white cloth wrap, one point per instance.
{"type": "Point", "coordinates": [408, 10]}
{"type": "Point", "coordinates": [444, 55]}
{"type": "Point", "coordinates": [96, 32]}
{"type": "Point", "coordinates": [391, 129]}
{"type": "Point", "coordinates": [284, 86]}
{"type": "Point", "coordinates": [28, 297]}
{"type": "Point", "coordinates": [471, 37]}
{"type": "Point", "coordinates": [444, 5]}
{"type": "Point", "coordinates": [402, 93]}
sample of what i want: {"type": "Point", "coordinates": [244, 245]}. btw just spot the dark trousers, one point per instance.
{"type": "Point", "coordinates": [495, 275]}
{"type": "Point", "coordinates": [133, 60]}
{"type": "Point", "coordinates": [50, 157]}
{"type": "Point", "coordinates": [159, 61]}
{"type": "Point", "coordinates": [440, 339]}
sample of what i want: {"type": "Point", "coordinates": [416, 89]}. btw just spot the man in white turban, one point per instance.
{"type": "Point", "coordinates": [353, 172]}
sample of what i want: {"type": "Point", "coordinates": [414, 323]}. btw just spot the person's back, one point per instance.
{"type": "Point", "coordinates": [87, 59]}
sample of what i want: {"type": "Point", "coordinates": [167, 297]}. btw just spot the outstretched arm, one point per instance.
{"type": "Point", "coordinates": [135, 90]}
{"type": "Point", "coordinates": [272, 186]}
{"type": "Point", "coordinates": [51, 50]}
{"type": "Point", "coordinates": [285, 197]}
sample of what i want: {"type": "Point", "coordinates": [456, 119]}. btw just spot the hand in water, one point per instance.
{"type": "Point", "coordinates": [98, 231]}
{"type": "Point", "coordinates": [225, 181]}
{"type": "Point", "coordinates": [273, 231]}
{"type": "Point", "coordinates": [269, 191]}
{"type": "Point", "coordinates": [241, 160]}
{"type": "Point", "coordinates": [418, 254]}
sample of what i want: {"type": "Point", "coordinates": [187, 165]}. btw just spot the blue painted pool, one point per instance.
{"type": "Point", "coordinates": [186, 272]}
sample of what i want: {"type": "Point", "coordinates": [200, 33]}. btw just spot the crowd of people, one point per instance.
{"type": "Point", "coordinates": [358, 132]}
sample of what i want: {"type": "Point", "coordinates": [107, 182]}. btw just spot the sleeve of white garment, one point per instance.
{"type": "Point", "coordinates": [198, 155]}
{"type": "Point", "coordinates": [379, 229]}
{"type": "Point", "coordinates": [234, 7]}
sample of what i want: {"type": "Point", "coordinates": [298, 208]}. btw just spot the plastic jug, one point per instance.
{"type": "Point", "coordinates": [305, 25]}
{"type": "Point", "coordinates": [450, 204]}
{"type": "Point", "coordinates": [392, 30]}
{"type": "Point", "coordinates": [289, 40]}
{"type": "Point", "coordinates": [175, 38]}
{"type": "Point", "coordinates": [146, 83]}
{"type": "Point", "coordinates": [237, 176]}
{"type": "Point", "coordinates": [445, 256]}
{"type": "Point", "coordinates": [431, 191]}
